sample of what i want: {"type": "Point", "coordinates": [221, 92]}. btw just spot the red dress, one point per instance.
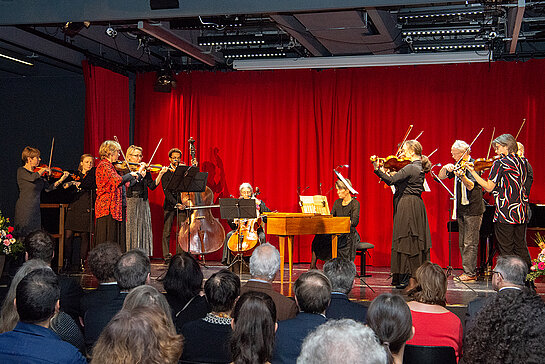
{"type": "Point", "coordinates": [437, 329]}
{"type": "Point", "coordinates": [109, 191]}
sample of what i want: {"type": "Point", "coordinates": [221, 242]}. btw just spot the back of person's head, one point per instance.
{"type": "Point", "coordinates": [184, 277]}
{"type": "Point", "coordinates": [390, 318]}
{"type": "Point", "coordinates": [341, 273]}
{"type": "Point", "coordinates": [140, 335]}
{"type": "Point", "coordinates": [222, 290]}
{"type": "Point", "coordinates": [102, 260]}
{"type": "Point", "coordinates": [37, 295]}
{"type": "Point", "coordinates": [342, 341]}
{"type": "Point", "coordinates": [265, 262]}
{"type": "Point", "coordinates": [146, 296]}
{"type": "Point", "coordinates": [9, 315]}
{"type": "Point", "coordinates": [132, 269]}
{"type": "Point", "coordinates": [508, 329]}
{"type": "Point", "coordinates": [254, 320]}
{"type": "Point", "coordinates": [512, 269]}
{"type": "Point", "coordinates": [431, 287]}
{"type": "Point", "coordinates": [39, 244]}
{"type": "Point", "coordinates": [312, 292]}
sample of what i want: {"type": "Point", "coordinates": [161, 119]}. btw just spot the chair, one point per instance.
{"type": "Point", "coordinates": [361, 250]}
{"type": "Point", "coordinates": [417, 354]}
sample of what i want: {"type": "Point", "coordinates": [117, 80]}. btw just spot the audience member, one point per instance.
{"type": "Point", "coordinates": [341, 273]}
{"type": "Point", "coordinates": [264, 264]}
{"type": "Point", "coordinates": [390, 318]}
{"type": "Point", "coordinates": [509, 274]}
{"type": "Point", "coordinates": [434, 324]}
{"type": "Point", "coordinates": [254, 325]}
{"type": "Point", "coordinates": [146, 296]}
{"type": "Point", "coordinates": [342, 341]}
{"type": "Point", "coordinates": [40, 245]}
{"type": "Point", "coordinates": [207, 339]}
{"type": "Point", "coordinates": [509, 329]}
{"type": "Point", "coordinates": [131, 270]}
{"type": "Point", "coordinates": [312, 294]}
{"type": "Point", "coordinates": [140, 335]}
{"type": "Point", "coordinates": [37, 300]}
{"type": "Point", "coordinates": [183, 286]}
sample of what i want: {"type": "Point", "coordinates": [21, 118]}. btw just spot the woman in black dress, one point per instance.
{"type": "Point", "coordinates": [79, 216]}
{"type": "Point", "coordinates": [411, 239]}
{"type": "Point", "coordinates": [345, 205]}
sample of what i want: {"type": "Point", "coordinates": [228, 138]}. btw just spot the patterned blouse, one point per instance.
{"type": "Point", "coordinates": [509, 173]}
{"type": "Point", "coordinates": [109, 190]}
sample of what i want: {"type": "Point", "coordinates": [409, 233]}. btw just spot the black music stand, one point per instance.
{"type": "Point", "coordinates": [238, 208]}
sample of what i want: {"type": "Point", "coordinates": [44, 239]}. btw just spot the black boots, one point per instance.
{"type": "Point", "coordinates": [395, 279]}
{"type": "Point", "coordinates": [403, 281]}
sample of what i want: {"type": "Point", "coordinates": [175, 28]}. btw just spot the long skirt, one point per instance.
{"type": "Point", "coordinates": [411, 238]}
{"type": "Point", "coordinates": [109, 230]}
{"type": "Point", "coordinates": [138, 226]}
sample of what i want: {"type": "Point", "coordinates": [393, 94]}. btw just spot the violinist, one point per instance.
{"type": "Point", "coordinates": [530, 176]}
{"type": "Point", "coordinates": [345, 205]}
{"type": "Point", "coordinates": [468, 208]}
{"type": "Point", "coordinates": [506, 180]}
{"type": "Point", "coordinates": [79, 215]}
{"type": "Point", "coordinates": [246, 192]}
{"type": "Point", "coordinates": [28, 217]}
{"type": "Point", "coordinates": [411, 238]}
{"type": "Point", "coordinates": [138, 223]}
{"type": "Point", "coordinates": [109, 205]}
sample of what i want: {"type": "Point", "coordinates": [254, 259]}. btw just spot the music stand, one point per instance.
{"type": "Point", "coordinates": [238, 208]}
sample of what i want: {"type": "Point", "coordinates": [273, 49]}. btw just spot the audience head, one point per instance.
{"type": "Point", "coordinates": [222, 290]}
{"type": "Point", "coordinates": [312, 292]}
{"type": "Point", "coordinates": [342, 341]}
{"type": "Point", "coordinates": [507, 141]}
{"type": "Point", "coordinates": [147, 296]}
{"type": "Point", "coordinates": [508, 329]}
{"type": "Point", "coordinates": [510, 271]}
{"type": "Point", "coordinates": [254, 325]}
{"type": "Point", "coordinates": [431, 285]}
{"type": "Point", "coordinates": [102, 260]}
{"type": "Point", "coordinates": [183, 278]}
{"type": "Point", "coordinates": [132, 270]}
{"type": "Point", "coordinates": [341, 273]}
{"type": "Point", "coordinates": [40, 245]}
{"type": "Point", "coordinates": [265, 262]}
{"type": "Point", "coordinates": [9, 315]}
{"type": "Point", "coordinates": [390, 318]}
{"type": "Point", "coordinates": [37, 296]}
{"type": "Point", "coordinates": [139, 335]}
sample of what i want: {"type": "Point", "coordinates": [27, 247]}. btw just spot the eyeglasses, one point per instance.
{"type": "Point", "coordinates": [498, 273]}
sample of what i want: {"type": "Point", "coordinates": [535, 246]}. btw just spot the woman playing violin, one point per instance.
{"type": "Point", "coordinates": [109, 205]}
{"type": "Point", "coordinates": [27, 209]}
{"type": "Point", "coordinates": [506, 181]}
{"type": "Point", "coordinates": [411, 239]}
{"type": "Point", "coordinates": [79, 216]}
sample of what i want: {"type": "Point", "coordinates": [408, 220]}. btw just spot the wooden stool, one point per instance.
{"type": "Point", "coordinates": [361, 250]}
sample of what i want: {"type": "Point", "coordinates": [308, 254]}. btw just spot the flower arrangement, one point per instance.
{"type": "Point", "coordinates": [10, 245]}
{"type": "Point", "coordinates": [538, 267]}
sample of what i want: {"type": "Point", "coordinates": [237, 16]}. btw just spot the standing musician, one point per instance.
{"type": "Point", "coordinates": [506, 181]}
{"type": "Point", "coordinates": [530, 175]}
{"type": "Point", "coordinates": [411, 238]}
{"type": "Point", "coordinates": [28, 217]}
{"type": "Point", "coordinates": [246, 192]}
{"type": "Point", "coordinates": [468, 208]}
{"type": "Point", "coordinates": [79, 215]}
{"type": "Point", "coordinates": [345, 205]}
{"type": "Point", "coordinates": [109, 204]}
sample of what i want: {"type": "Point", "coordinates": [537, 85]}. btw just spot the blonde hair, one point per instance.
{"type": "Point", "coordinates": [341, 185]}
{"type": "Point", "coordinates": [83, 156]}
{"type": "Point", "coordinates": [28, 153]}
{"type": "Point", "coordinates": [132, 148]}
{"type": "Point", "coordinates": [107, 148]}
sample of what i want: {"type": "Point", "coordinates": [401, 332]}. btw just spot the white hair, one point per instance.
{"type": "Point", "coordinates": [460, 145]}
{"type": "Point", "coordinates": [245, 185]}
{"type": "Point", "coordinates": [265, 261]}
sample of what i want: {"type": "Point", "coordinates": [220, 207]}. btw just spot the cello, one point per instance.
{"type": "Point", "coordinates": [201, 233]}
{"type": "Point", "coordinates": [246, 237]}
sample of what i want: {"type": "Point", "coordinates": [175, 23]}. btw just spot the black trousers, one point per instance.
{"type": "Point", "coordinates": [512, 240]}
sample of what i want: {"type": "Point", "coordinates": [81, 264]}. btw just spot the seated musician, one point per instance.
{"type": "Point", "coordinates": [345, 205]}
{"type": "Point", "coordinates": [246, 192]}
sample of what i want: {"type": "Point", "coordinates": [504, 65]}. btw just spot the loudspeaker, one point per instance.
{"type": "Point", "coordinates": [164, 4]}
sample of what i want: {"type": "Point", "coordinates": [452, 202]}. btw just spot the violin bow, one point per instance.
{"type": "Point", "coordinates": [123, 154]}
{"type": "Point", "coordinates": [490, 145]}
{"type": "Point", "coordinates": [404, 139]}
{"type": "Point", "coordinates": [468, 149]}
{"type": "Point", "coordinates": [418, 136]}
{"type": "Point", "coordinates": [432, 153]}
{"type": "Point", "coordinates": [521, 125]}
{"type": "Point", "coordinates": [155, 151]}
{"type": "Point", "coordinates": [51, 153]}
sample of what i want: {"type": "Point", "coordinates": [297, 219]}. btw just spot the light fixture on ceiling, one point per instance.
{"type": "Point", "coordinates": [360, 61]}
{"type": "Point", "coordinates": [16, 59]}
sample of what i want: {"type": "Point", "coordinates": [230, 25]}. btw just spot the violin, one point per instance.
{"type": "Point", "coordinates": [133, 166]}
{"type": "Point", "coordinates": [55, 173]}
{"type": "Point", "coordinates": [392, 162]}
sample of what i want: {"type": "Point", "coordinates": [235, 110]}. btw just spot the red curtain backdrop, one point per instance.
{"type": "Point", "coordinates": [280, 130]}
{"type": "Point", "coordinates": [106, 107]}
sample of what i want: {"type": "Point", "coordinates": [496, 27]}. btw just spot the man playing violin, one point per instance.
{"type": "Point", "coordinates": [468, 208]}
{"type": "Point", "coordinates": [506, 181]}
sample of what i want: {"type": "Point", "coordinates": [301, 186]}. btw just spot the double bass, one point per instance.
{"type": "Point", "coordinates": [201, 233]}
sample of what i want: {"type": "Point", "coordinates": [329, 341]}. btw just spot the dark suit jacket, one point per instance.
{"type": "Point", "coordinates": [96, 318]}
{"type": "Point", "coordinates": [286, 308]}
{"type": "Point", "coordinates": [290, 336]}
{"type": "Point", "coordinates": [475, 306]}
{"type": "Point", "coordinates": [104, 294]}
{"type": "Point", "coordinates": [341, 307]}
{"type": "Point", "coordinates": [71, 293]}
